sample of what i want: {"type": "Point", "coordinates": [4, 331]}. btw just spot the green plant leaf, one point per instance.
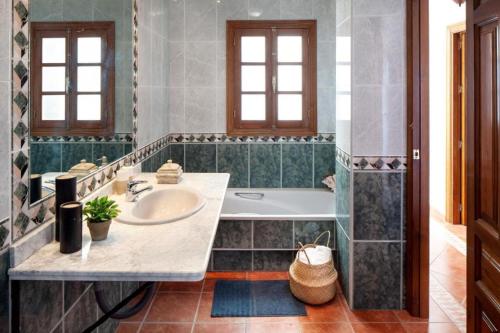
{"type": "Point", "coordinates": [101, 209]}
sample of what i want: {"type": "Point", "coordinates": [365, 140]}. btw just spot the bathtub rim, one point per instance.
{"type": "Point", "coordinates": [279, 217]}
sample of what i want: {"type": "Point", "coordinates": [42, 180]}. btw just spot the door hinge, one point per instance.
{"type": "Point", "coordinates": [460, 89]}
{"type": "Point", "coordinates": [460, 207]}
{"type": "Point", "coordinates": [416, 154]}
{"type": "Point", "coordinates": [460, 144]}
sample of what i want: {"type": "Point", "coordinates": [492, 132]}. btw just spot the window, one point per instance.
{"type": "Point", "coordinates": [72, 78]}
{"type": "Point", "coordinates": [271, 77]}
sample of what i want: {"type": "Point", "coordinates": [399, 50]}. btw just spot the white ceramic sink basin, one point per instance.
{"type": "Point", "coordinates": [162, 206]}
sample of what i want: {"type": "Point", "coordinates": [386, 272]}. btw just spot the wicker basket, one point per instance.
{"type": "Point", "coordinates": [313, 284]}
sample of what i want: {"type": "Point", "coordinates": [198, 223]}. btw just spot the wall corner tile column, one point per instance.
{"type": "Point", "coordinates": [371, 151]}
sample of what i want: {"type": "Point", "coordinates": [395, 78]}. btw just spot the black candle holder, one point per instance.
{"type": "Point", "coordinates": [35, 188]}
{"type": "Point", "coordinates": [65, 192]}
{"type": "Point", "coordinates": [70, 214]}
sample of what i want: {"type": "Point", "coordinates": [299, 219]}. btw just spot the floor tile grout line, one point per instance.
{"type": "Point", "coordinates": [149, 308]}
{"type": "Point", "coordinates": [195, 318]}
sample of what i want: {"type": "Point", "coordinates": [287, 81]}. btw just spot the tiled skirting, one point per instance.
{"type": "Point", "coordinates": [263, 245]}
{"type": "Point", "coordinates": [371, 230]}
{"type": "Point", "coordinates": [61, 156]}
{"type": "Point", "coordinates": [255, 165]}
{"type": "Point", "coordinates": [66, 306]}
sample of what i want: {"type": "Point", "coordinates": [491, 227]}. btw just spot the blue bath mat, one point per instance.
{"type": "Point", "coordinates": [255, 299]}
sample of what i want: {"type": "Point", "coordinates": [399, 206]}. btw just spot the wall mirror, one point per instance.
{"type": "Point", "coordinates": [81, 77]}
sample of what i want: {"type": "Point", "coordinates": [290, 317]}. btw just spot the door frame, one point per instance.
{"type": "Point", "coordinates": [417, 200]}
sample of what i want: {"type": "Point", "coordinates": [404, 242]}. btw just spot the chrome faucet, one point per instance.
{"type": "Point", "coordinates": [133, 192]}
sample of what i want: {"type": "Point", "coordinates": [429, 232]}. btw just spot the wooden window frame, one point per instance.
{"type": "Point", "coordinates": [271, 29]}
{"type": "Point", "coordinates": [70, 125]}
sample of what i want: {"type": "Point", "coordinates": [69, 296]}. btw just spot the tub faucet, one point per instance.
{"type": "Point", "coordinates": [133, 192]}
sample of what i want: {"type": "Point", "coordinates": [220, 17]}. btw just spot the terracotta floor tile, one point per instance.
{"type": "Point", "coordinates": [212, 277]}
{"type": "Point", "coordinates": [372, 316]}
{"type": "Point", "coordinates": [378, 328]}
{"type": "Point", "coordinates": [174, 307]}
{"type": "Point", "coordinates": [219, 328]}
{"type": "Point", "coordinates": [166, 328]}
{"type": "Point", "coordinates": [431, 328]}
{"type": "Point", "coordinates": [332, 311]}
{"type": "Point", "coordinates": [436, 315]}
{"type": "Point", "coordinates": [181, 286]}
{"type": "Point", "coordinates": [139, 317]}
{"type": "Point", "coordinates": [205, 310]}
{"type": "Point", "coordinates": [128, 328]}
{"type": "Point", "coordinates": [256, 327]}
{"type": "Point", "coordinates": [326, 328]}
{"type": "Point", "coordinates": [456, 287]}
{"type": "Point", "coordinates": [267, 276]}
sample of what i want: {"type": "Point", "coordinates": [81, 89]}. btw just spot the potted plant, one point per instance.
{"type": "Point", "coordinates": [99, 213]}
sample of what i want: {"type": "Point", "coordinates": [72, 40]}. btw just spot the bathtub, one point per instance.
{"type": "Point", "coordinates": [278, 204]}
{"type": "Point", "coordinates": [259, 229]}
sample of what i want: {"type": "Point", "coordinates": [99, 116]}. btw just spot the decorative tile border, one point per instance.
{"type": "Point", "coordinates": [343, 157]}
{"type": "Point", "coordinates": [379, 163]}
{"type": "Point", "coordinates": [224, 138]}
{"type": "Point", "coordinates": [26, 217]}
{"type": "Point", "coordinates": [4, 233]}
{"type": "Point", "coordinates": [117, 138]}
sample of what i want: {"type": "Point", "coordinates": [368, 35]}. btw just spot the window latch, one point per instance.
{"type": "Point", "coordinates": [68, 86]}
{"type": "Point", "coordinates": [274, 83]}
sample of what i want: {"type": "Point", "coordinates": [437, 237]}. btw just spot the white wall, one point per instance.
{"type": "Point", "coordinates": [152, 116]}
{"type": "Point", "coordinates": [197, 59]}
{"type": "Point", "coordinates": [378, 78]}
{"type": "Point", "coordinates": [442, 14]}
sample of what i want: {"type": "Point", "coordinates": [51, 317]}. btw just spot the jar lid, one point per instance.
{"type": "Point", "coordinates": [83, 166]}
{"type": "Point", "coordinates": [170, 166]}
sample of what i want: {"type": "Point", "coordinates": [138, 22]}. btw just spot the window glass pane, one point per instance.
{"type": "Point", "coordinates": [289, 78]}
{"type": "Point", "coordinates": [253, 49]}
{"type": "Point", "coordinates": [289, 107]}
{"type": "Point", "coordinates": [89, 107]}
{"type": "Point", "coordinates": [89, 78]}
{"type": "Point", "coordinates": [53, 79]}
{"type": "Point", "coordinates": [290, 48]}
{"type": "Point", "coordinates": [53, 50]}
{"type": "Point", "coordinates": [253, 107]}
{"type": "Point", "coordinates": [53, 107]}
{"type": "Point", "coordinates": [89, 50]}
{"type": "Point", "coordinates": [253, 78]}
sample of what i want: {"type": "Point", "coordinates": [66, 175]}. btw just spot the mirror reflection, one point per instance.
{"type": "Point", "coordinates": [81, 88]}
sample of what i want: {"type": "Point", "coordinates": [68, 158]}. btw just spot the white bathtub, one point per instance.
{"type": "Point", "coordinates": [278, 204]}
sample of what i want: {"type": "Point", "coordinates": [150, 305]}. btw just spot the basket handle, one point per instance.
{"type": "Point", "coordinates": [321, 235]}
{"type": "Point", "coordinates": [302, 248]}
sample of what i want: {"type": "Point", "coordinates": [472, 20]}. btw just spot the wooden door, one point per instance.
{"type": "Point", "coordinates": [458, 129]}
{"type": "Point", "coordinates": [483, 166]}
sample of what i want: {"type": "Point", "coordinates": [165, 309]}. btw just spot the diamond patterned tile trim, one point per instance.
{"type": "Point", "coordinates": [21, 162]}
{"type": "Point", "coordinates": [379, 163]}
{"type": "Point", "coordinates": [343, 158]}
{"type": "Point", "coordinates": [223, 138]}
{"type": "Point", "coordinates": [21, 39]}
{"type": "Point", "coordinates": [4, 233]}
{"type": "Point", "coordinates": [21, 101]}
{"type": "Point", "coordinates": [21, 131]}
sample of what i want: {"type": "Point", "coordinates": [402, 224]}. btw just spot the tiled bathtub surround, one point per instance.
{"type": "Point", "coordinates": [256, 164]}
{"type": "Point", "coordinates": [60, 156]}
{"type": "Point", "coordinates": [263, 245]}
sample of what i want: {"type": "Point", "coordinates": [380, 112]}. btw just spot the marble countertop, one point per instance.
{"type": "Point", "coordinates": [175, 251]}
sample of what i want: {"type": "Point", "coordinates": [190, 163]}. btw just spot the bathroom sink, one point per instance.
{"type": "Point", "coordinates": [162, 206]}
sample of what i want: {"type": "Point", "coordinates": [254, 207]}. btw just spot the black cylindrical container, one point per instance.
{"type": "Point", "coordinates": [35, 188]}
{"type": "Point", "coordinates": [70, 214]}
{"type": "Point", "coordinates": [65, 192]}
